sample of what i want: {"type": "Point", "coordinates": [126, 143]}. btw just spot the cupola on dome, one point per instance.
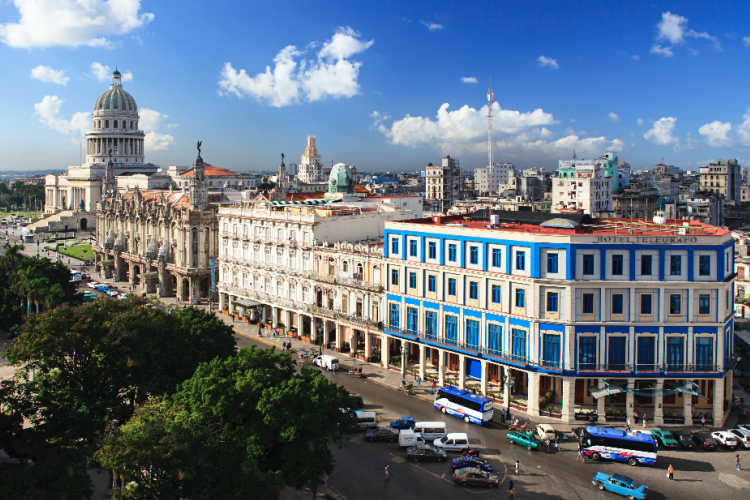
{"type": "Point", "coordinates": [115, 99]}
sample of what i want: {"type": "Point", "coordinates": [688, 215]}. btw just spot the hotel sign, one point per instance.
{"type": "Point", "coordinates": [647, 240]}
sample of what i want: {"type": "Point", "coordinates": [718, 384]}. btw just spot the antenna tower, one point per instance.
{"type": "Point", "coordinates": [490, 102]}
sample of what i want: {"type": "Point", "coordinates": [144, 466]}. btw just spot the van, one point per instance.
{"type": "Point", "coordinates": [407, 438]}
{"type": "Point", "coordinates": [327, 361]}
{"type": "Point", "coordinates": [430, 430]}
{"type": "Point", "coordinates": [366, 419]}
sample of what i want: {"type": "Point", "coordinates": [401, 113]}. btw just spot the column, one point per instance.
{"type": "Point", "coordinates": [352, 341]}
{"type": "Point", "coordinates": [326, 335]}
{"type": "Point", "coordinates": [404, 357]}
{"type": "Point", "coordinates": [687, 406]}
{"type": "Point", "coordinates": [506, 386]}
{"type": "Point", "coordinates": [601, 411]}
{"type": "Point", "coordinates": [193, 289]}
{"type": "Point", "coordinates": [718, 402]}
{"type": "Point", "coordinates": [630, 402]}
{"type": "Point", "coordinates": [274, 317]}
{"type": "Point", "coordinates": [483, 384]}
{"type": "Point", "coordinates": [384, 354]}
{"type": "Point", "coordinates": [288, 320]}
{"type": "Point", "coordinates": [659, 403]}
{"type": "Point", "coordinates": [532, 403]}
{"type": "Point", "coordinates": [421, 361]}
{"type": "Point", "coordinates": [221, 301]}
{"type": "Point", "coordinates": [461, 371]}
{"type": "Point", "coordinates": [339, 336]}
{"type": "Point", "coordinates": [568, 399]}
{"type": "Point", "coordinates": [300, 324]}
{"type": "Point", "coordinates": [368, 346]}
{"type": "Point", "coordinates": [441, 367]}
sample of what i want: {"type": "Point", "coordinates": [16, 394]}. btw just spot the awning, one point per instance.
{"type": "Point", "coordinates": [245, 303]}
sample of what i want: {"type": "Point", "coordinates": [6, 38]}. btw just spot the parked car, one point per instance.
{"type": "Point", "coordinates": [743, 436]}
{"type": "Point", "coordinates": [381, 434]}
{"type": "Point", "coordinates": [744, 426]}
{"type": "Point", "coordinates": [664, 439]}
{"type": "Point", "coordinates": [471, 461]}
{"type": "Point", "coordinates": [704, 441]}
{"type": "Point", "coordinates": [475, 477]}
{"type": "Point", "coordinates": [546, 431]}
{"type": "Point", "coordinates": [92, 284]}
{"type": "Point", "coordinates": [356, 401]}
{"type": "Point", "coordinates": [403, 423]}
{"type": "Point", "coordinates": [112, 293]}
{"type": "Point", "coordinates": [326, 361]}
{"type": "Point", "coordinates": [622, 485]}
{"type": "Point", "coordinates": [426, 453]}
{"type": "Point", "coordinates": [456, 441]}
{"type": "Point", "coordinates": [726, 439]}
{"type": "Point", "coordinates": [526, 439]}
{"type": "Point", "coordinates": [685, 439]}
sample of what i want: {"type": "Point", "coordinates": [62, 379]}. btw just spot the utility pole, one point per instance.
{"type": "Point", "coordinates": [490, 149]}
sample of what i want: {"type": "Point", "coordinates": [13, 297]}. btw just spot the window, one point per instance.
{"type": "Point", "coordinates": [616, 353]}
{"type": "Point", "coordinates": [114, 124]}
{"type": "Point", "coordinates": [431, 284]}
{"type": "Point", "coordinates": [412, 319]}
{"type": "Point", "coordinates": [646, 261]}
{"type": "Point", "coordinates": [473, 290]}
{"type": "Point", "coordinates": [553, 304]}
{"type": "Point", "coordinates": [394, 246]}
{"type": "Point", "coordinates": [588, 265]}
{"type": "Point", "coordinates": [452, 252]}
{"type": "Point", "coordinates": [675, 265]}
{"type": "Point", "coordinates": [704, 265]}
{"type": "Point", "coordinates": [520, 297]}
{"type": "Point", "coordinates": [412, 248]}
{"type": "Point", "coordinates": [675, 303]}
{"type": "Point", "coordinates": [618, 267]}
{"type": "Point", "coordinates": [452, 286]}
{"type": "Point", "coordinates": [520, 261]}
{"type": "Point", "coordinates": [472, 333]}
{"type": "Point", "coordinates": [704, 303]}
{"type": "Point", "coordinates": [551, 351]}
{"type": "Point", "coordinates": [586, 353]}
{"type": "Point", "coordinates": [451, 329]}
{"type": "Point", "coordinates": [675, 349]}
{"type": "Point", "coordinates": [519, 344]}
{"type": "Point", "coordinates": [646, 352]}
{"type": "Point", "coordinates": [412, 280]}
{"type": "Point", "coordinates": [495, 338]}
{"type": "Point", "coordinates": [617, 303]}
{"type": "Point", "coordinates": [474, 255]}
{"type": "Point", "coordinates": [552, 263]}
{"type": "Point", "coordinates": [394, 277]}
{"type": "Point", "coordinates": [587, 305]}
{"type": "Point", "coordinates": [432, 250]}
{"type": "Point", "coordinates": [393, 315]}
{"type": "Point", "coordinates": [497, 257]}
{"type": "Point", "coordinates": [496, 294]}
{"type": "Point", "coordinates": [645, 303]}
{"type": "Point", "coordinates": [704, 353]}
{"type": "Point", "coordinates": [430, 324]}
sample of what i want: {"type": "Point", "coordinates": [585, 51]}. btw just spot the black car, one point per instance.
{"type": "Point", "coordinates": [356, 401]}
{"type": "Point", "coordinates": [381, 434]}
{"type": "Point", "coordinates": [426, 453]}
{"type": "Point", "coordinates": [704, 441]}
{"type": "Point", "coordinates": [685, 439]}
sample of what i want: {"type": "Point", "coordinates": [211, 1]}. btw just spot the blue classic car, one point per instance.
{"type": "Point", "coordinates": [470, 461]}
{"type": "Point", "coordinates": [622, 485]}
{"type": "Point", "coordinates": [403, 423]}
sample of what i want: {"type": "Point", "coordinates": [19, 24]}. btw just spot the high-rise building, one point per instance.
{"type": "Point", "coordinates": [310, 169]}
{"type": "Point", "coordinates": [723, 177]}
{"type": "Point", "coordinates": [581, 188]}
{"type": "Point", "coordinates": [488, 179]}
{"type": "Point", "coordinates": [442, 183]}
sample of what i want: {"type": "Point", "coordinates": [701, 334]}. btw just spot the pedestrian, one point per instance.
{"type": "Point", "coordinates": [511, 489]}
{"type": "Point", "coordinates": [580, 453]}
{"type": "Point", "coordinates": [703, 421]}
{"type": "Point", "coordinates": [737, 464]}
{"type": "Point", "coordinates": [627, 424]}
{"type": "Point", "coordinates": [635, 415]}
{"type": "Point", "coordinates": [517, 467]}
{"type": "Point", "coordinates": [670, 472]}
{"type": "Point", "coordinates": [644, 420]}
{"type": "Point", "coordinates": [434, 387]}
{"type": "Point", "coordinates": [419, 380]}
{"type": "Point", "coordinates": [557, 445]}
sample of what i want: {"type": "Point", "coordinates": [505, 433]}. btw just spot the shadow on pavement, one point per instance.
{"type": "Point", "coordinates": [684, 464]}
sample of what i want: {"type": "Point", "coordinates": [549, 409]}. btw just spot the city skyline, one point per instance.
{"type": "Point", "coordinates": [385, 89]}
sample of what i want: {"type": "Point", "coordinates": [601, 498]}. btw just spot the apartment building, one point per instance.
{"type": "Point", "coordinates": [722, 177]}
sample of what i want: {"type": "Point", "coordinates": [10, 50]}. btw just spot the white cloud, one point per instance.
{"type": "Point", "coordinates": [72, 23]}
{"type": "Point", "coordinates": [150, 121]}
{"type": "Point", "coordinates": [639, 121]}
{"type": "Point", "coordinates": [716, 133]}
{"type": "Point", "coordinates": [48, 111]}
{"type": "Point", "coordinates": [661, 131]}
{"type": "Point", "coordinates": [295, 78]}
{"type": "Point", "coordinates": [432, 26]}
{"type": "Point", "coordinates": [547, 62]}
{"type": "Point", "coordinates": [671, 28]}
{"type": "Point", "coordinates": [49, 75]}
{"type": "Point", "coordinates": [613, 116]}
{"type": "Point", "coordinates": [469, 79]}
{"type": "Point", "coordinates": [103, 73]}
{"type": "Point", "coordinates": [661, 50]}
{"type": "Point", "coordinates": [743, 129]}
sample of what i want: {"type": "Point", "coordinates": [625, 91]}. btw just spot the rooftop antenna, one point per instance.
{"type": "Point", "coordinates": [490, 102]}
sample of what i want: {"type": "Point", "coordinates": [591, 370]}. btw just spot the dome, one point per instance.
{"type": "Point", "coordinates": [116, 99]}
{"type": "Point", "coordinates": [340, 180]}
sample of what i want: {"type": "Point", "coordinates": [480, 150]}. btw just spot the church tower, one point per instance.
{"type": "Point", "coordinates": [282, 185]}
{"type": "Point", "coordinates": [198, 188]}
{"type": "Point", "coordinates": [109, 183]}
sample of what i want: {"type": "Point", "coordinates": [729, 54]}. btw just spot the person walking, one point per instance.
{"type": "Point", "coordinates": [737, 464]}
{"type": "Point", "coordinates": [703, 421]}
{"type": "Point", "coordinates": [434, 386]}
{"type": "Point", "coordinates": [644, 419]}
{"type": "Point", "coordinates": [670, 472]}
{"type": "Point", "coordinates": [580, 453]}
{"type": "Point", "coordinates": [627, 424]}
{"type": "Point", "coordinates": [517, 468]}
{"type": "Point", "coordinates": [511, 489]}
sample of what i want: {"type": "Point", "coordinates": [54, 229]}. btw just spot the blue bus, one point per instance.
{"type": "Point", "coordinates": [614, 444]}
{"type": "Point", "coordinates": [472, 408]}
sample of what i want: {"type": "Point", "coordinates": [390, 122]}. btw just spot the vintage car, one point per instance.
{"type": "Point", "coordinates": [382, 434]}
{"type": "Point", "coordinates": [664, 439]}
{"type": "Point", "coordinates": [475, 477]}
{"type": "Point", "coordinates": [403, 423]}
{"type": "Point", "coordinates": [622, 485]}
{"type": "Point", "coordinates": [526, 439]}
{"type": "Point", "coordinates": [465, 461]}
{"type": "Point", "coordinates": [426, 453]}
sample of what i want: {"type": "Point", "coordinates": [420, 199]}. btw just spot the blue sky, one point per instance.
{"type": "Point", "coordinates": [383, 85]}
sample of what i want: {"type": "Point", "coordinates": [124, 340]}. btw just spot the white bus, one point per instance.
{"type": "Point", "coordinates": [472, 408]}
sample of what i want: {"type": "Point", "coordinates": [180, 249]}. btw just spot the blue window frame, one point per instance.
{"type": "Point", "coordinates": [588, 264]}
{"type": "Point", "coordinates": [704, 265]}
{"type": "Point", "coordinates": [413, 248]}
{"type": "Point", "coordinates": [704, 303]}
{"type": "Point", "coordinates": [646, 352]}
{"type": "Point", "coordinates": [452, 286]}
{"type": "Point", "coordinates": [551, 349]}
{"type": "Point", "coordinates": [520, 260]}
{"type": "Point", "coordinates": [432, 250]}
{"type": "Point", "coordinates": [497, 257]}
{"type": "Point", "coordinates": [646, 264]}
{"type": "Point", "coordinates": [496, 294]}
{"type": "Point", "coordinates": [473, 290]}
{"type": "Point", "coordinates": [431, 284]}
{"type": "Point", "coordinates": [412, 319]}
{"type": "Point", "coordinates": [618, 265]}
{"type": "Point", "coordinates": [394, 246]}
{"type": "Point", "coordinates": [645, 303]}
{"type": "Point", "coordinates": [704, 353]}
{"type": "Point", "coordinates": [553, 302]}
{"type": "Point", "coordinates": [675, 265]}
{"type": "Point", "coordinates": [474, 255]}
{"type": "Point", "coordinates": [451, 329]}
{"type": "Point", "coordinates": [552, 263]}
{"type": "Point", "coordinates": [616, 353]}
{"type": "Point", "coordinates": [412, 280]}
{"type": "Point", "coordinates": [675, 303]}
{"type": "Point", "coordinates": [452, 253]}
{"type": "Point", "coordinates": [430, 324]}
{"type": "Point", "coordinates": [675, 350]}
{"type": "Point", "coordinates": [618, 301]}
{"type": "Point", "coordinates": [520, 297]}
{"type": "Point", "coordinates": [393, 315]}
{"type": "Point", "coordinates": [394, 277]}
{"type": "Point", "coordinates": [587, 353]}
{"type": "Point", "coordinates": [495, 338]}
{"type": "Point", "coordinates": [587, 305]}
{"type": "Point", "coordinates": [519, 344]}
{"type": "Point", "coordinates": [472, 333]}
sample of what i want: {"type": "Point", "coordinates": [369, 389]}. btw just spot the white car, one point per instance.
{"type": "Point", "coordinates": [725, 438]}
{"type": "Point", "coordinates": [545, 432]}
{"type": "Point", "coordinates": [457, 441]}
{"type": "Point", "coordinates": [744, 426]}
{"type": "Point", "coordinates": [92, 284]}
{"type": "Point", "coordinates": [112, 293]}
{"type": "Point", "coordinates": [743, 436]}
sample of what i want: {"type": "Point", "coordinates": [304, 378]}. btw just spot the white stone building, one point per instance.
{"type": "Point", "coordinates": [488, 179]}
{"type": "Point", "coordinates": [310, 169]}
{"type": "Point", "coordinates": [442, 184]}
{"type": "Point", "coordinates": [582, 188]}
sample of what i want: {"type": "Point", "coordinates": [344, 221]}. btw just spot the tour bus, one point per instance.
{"type": "Point", "coordinates": [430, 431]}
{"type": "Point", "coordinates": [633, 447]}
{"type": "Point", "coordinates": [471, 407]}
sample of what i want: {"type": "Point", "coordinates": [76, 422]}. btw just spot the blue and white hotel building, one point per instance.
{"type": "Point", "coordinates": [552, 312]}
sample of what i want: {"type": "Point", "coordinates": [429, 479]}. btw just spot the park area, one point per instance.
{"type": "Point", "coordinates": [81, 251]}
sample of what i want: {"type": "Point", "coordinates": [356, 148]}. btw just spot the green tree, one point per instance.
{"type": "Point", "coordinates": [240, 427]}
